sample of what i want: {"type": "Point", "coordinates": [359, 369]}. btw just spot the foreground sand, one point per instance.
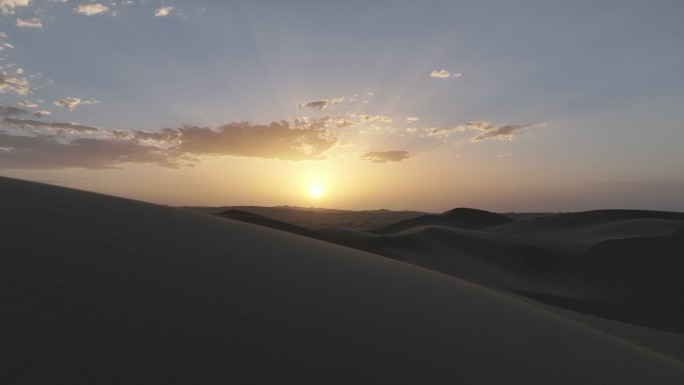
{"type": "Point", "coordinates": [103, 290]}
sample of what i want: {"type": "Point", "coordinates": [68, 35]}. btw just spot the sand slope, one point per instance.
{"type": "Point", "coordinates": [102, 290]}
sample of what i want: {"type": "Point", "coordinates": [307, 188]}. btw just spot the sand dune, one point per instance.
{"type": "Point", "coordinates": [623, 265]}
{"type": "Point", "coordinates": [103, 290]}
{"type": "Point", "coordinates": [598, 224]}
{"type": "Point", "coordinates": [464, 218]}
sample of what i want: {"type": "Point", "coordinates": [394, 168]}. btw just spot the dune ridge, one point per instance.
{"type": "Point", "coordinates": [98, 289]}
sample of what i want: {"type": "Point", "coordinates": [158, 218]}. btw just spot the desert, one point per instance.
{"type": "Point", "coordinates": [99, 289]}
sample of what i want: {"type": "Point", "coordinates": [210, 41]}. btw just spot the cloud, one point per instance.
{"type": "Point", "coordinates": [29, 23]}
{"type": "Point", "coordinates": [14, 84]}
{"type": "Point", "coordinates": [41, 113]}
{"type": "Point", "coordinates": [54, 145]}
{"type": "Point", "coordinates": [164, 11]}
{"type": "Point", "coordinates": [70, 103]}
{"type": "Point", "coordinates": [412, 119]}
{"type": "Point", "coordinates": [385, 156]}
{"type": "Point", "coordinates": [279, 140]}
{"type": "Point", "coordinates": [486, 130]}
{"type": "Point", "coordinates": [502, 132]}
{"type": "Point", "coordinates": [27, 104]}
{"type": "Point", "coordinates": [7, 7]}
{"type": "Point", "coordinates": [442, 74]}
{"type": "Point", "coordinates": [8, 111]}
{"type": "Point", "coordinates": [53, 127]}
{"type": "Point", "coordinates": [321, 104]}
{"type": "Point", "coordinates": [48, 153]}
{"type": "Point", "coordinates": [91, 9]}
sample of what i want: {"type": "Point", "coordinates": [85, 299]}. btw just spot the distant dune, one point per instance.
{"type": "Point", "coordinates": [103, 290]}
{"type": "Point", "coordinates": [317, 217]}
{"type": "Point", "coordinates": [463, 218]}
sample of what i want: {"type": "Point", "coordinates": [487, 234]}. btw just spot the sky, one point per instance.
{"type": "Point", "coordinates": [417, 105]}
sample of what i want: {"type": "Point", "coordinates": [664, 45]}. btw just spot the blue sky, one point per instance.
{"type": "Point", "coordinates": [502, 105]}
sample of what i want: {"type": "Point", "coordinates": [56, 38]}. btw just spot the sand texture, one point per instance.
{"type": "Point", "coordinates": [102, 290]}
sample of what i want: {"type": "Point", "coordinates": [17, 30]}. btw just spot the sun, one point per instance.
{"type": "Point", "coordinates": [316, 190]}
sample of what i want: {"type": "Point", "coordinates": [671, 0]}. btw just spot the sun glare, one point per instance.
{"type": "Point", "coordinates": [315, 190]}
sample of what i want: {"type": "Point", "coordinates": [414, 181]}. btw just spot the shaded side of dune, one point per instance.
{"type": "Point", "coordinates": [619, 264]}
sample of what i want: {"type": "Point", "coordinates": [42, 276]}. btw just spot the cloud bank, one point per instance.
{"type": "Point", "coordinates": [26, 143]}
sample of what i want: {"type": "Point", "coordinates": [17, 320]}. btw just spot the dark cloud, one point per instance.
{"type": "Point", "coordinates": [7, 111]}
{"type": "Point", "coordinates": [385, 156]}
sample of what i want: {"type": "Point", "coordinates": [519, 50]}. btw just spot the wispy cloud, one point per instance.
{"type": "Point", "coordinates": [27, 104]}
{"type": "Point", "coordinates": [321, 104]}
{"type": "Point", "coordinates": [29, 23]}
{"type": "Point", "coordinates": [486, 130]}
{"type": "Point", "coordinates": [412, 119]}
{"type": "Point", "coordinates": [8, 6]}
{"type": "Point", "coordinates": [50, 127]}
{"type": "Point", "coordinates": [443, 74]}
{"type": "Point", "coordinates": [70, 103]}
{"type": "Point", "coordinates": [12, 83]}
{"type": "Point", "coordinates": [502, 132]}
{"type": "Point", "coordinates": [163, 11]}
{"type": "Point", "coordinates": [91, 9]}
{"type": "Point", "coordinates": [385, 156]}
